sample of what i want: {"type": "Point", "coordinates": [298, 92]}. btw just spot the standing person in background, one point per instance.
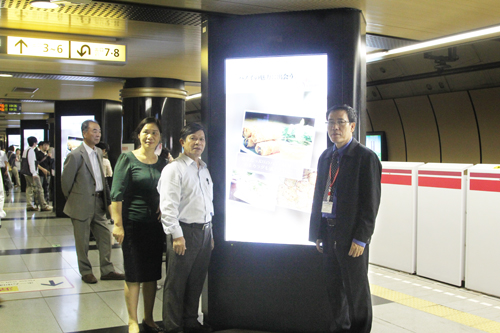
{"type": "Point", "coordinates": [186, 194]}
{"type": "Point", "coordinates": [136, 214]}
{"type": "Point", "coordinates": [12, 157]}
{"type": "Point", "coordinates": [87, 199]}
{"type": "Point", "coordinates": [345, 205]}
{"type": "Point", "coordinates": [106, 164]}
{"type": "Point", "coordinates": [4, 163]}
{"type": "Point", "coordinates": [2, 198]}
{"type": "Point", "coordinates": [33, 184]}
{"type": "Point", "coordinates": [18, 159]}
{"type": "Point", "coordinates": [51, 152]}
{"type": "Point", "coordinates": [44, 167]}
{"type": "Point", "coordinates": [165, 153]}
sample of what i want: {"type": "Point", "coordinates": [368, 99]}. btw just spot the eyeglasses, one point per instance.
{"type": "Point", "coordinates": [339, 122]}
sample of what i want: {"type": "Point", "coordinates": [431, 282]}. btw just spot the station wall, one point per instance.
{"type": "Point", "coordinates": [458, 127]}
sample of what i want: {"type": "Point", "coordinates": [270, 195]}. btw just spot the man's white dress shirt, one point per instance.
{"type": "Point", "coordinates": [95, 167]}
{"type": "Point", "coordinates": [186, 194]}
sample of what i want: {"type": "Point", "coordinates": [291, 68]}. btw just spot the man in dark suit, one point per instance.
{"type": "Point", "coordinates": [87, 199]}
{"type": "Point", "coordinates": [345, 205]}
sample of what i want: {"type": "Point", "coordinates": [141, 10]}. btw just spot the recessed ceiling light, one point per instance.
{"type": "Point", "coordinates": [450, 40]}
{"type": "Point", "coordinates": [45, 4]}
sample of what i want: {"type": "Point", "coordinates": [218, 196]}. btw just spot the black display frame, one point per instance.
{"type": "Point", "coordinates": [272, 287]}
{"type": "Point", "coordinates": [383, 143]}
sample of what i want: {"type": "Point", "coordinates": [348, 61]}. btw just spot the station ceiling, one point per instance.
{"type": "Point", "coordinates": [163, 39]}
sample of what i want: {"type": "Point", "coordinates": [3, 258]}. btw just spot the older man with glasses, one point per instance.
{"type": "Point", "coordinates": [345, 205]}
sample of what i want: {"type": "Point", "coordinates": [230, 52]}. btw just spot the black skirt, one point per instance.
{"type": "Point", "coordinates": [142, 250]}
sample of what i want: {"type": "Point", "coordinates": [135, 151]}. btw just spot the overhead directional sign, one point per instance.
{"type": "Point", "coordinates": [51, 48]}
{"type": "Point", "coordinates": [98, 51]}
{"type": "Point", "coordinates": [37, 47]}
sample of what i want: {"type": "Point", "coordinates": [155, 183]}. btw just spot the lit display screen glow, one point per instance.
{"type": "Point", "coordinates": [39, 134]}
{"type": "Point", "coordinates": [71, 134]}
{"type": "Point", "coordinates": [275, 133]}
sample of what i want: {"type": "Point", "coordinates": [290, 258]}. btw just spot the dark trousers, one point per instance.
{"type": "Point", "coordinates": [98, 224]}
{"type": "Point", "coordinates": [347, 286]}
{"type": "Point", "coordinates": [185, 277]}
{"type": "Point", "coordinates": [45, 185]}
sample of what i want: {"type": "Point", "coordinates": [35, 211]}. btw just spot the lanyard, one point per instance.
{"type": "Point", "coordinates": [333, 181]}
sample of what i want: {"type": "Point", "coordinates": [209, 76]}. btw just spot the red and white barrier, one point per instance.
{"type": "Point", "coordinates": [483, 229]}
{"type": "Point", "coordinates": [393, 243]}
{"type": "Point", "coordinates": [442, 189]}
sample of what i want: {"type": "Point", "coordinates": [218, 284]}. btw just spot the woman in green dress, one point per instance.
{"type": "Point", "coordinates": [136, 214]}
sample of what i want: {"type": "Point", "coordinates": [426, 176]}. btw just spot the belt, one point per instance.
{"type": "Point", "coordinates": [331, 222]}
{"type": "Point", "coordinates": [201, 226]}
{"type": "Point", "coordinates": [99, 194]}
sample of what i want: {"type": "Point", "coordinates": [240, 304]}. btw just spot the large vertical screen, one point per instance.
{"type": "Point", "coordinates": [71, 134]}
{"type": "Point", "coordinates": [275, 133]}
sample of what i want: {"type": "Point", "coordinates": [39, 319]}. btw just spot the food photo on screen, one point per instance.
{"type": "Point", "coordinates": [254, 189]}
{"type": "Point", "coordinates": [297, 194]}
{"type": "Point", "coordinates": [276, 144]}
{"type": "Point", "coordinates": [268, 134]}
{"type": "Point", "coordinates": [74, 142]}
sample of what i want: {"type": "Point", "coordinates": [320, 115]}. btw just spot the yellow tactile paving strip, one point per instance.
{"type": "Point", "coordinates": [457, 316]}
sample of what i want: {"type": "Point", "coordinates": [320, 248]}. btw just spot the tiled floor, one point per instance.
{"type": "Point", "coordinates": [39, 245]}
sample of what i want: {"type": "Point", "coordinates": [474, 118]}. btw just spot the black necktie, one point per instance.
{"type": "Point", "coordinates": [332, 176]}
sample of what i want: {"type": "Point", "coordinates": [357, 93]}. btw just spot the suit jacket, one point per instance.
{"type": "Point", "coordinates": [78, 184]}
{"type": "Point", "coordinates": [358, 195]}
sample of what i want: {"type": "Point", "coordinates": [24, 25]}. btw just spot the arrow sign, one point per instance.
{"type": "Point", "coordinates": [37, 47]}
{"type": "Point", "coordinates": [52, 283]}
{"type": "Point", "coordinates": [21, 42]}
{"type": "Point", "coordinates": [82, 52]}
{"type": "Point", "coordinates": [98, 51]}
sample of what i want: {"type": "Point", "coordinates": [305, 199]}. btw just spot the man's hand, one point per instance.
{"type": "Point", "coordinates": [159, 213]}
{"type": "Point", "coordinates": [179, 245]}
{"type": "Point", "coordinates": [213, 244]}
{"type": "Point", "coordinates": [118, 233]}
{"type": "Point", "coordinates": [356, 250]}
{"type": "Point", "coordinates": [319, 245]}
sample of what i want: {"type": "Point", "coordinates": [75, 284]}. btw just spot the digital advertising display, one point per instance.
{"type": "Point", "coordinates": [39, 134]}
{"type": "Point", "coordinates": [14, 140]}
{"type": "Point", "coordinates": [275, 133]}
{"type": "Point", "coordinates": [71, 134]}
{"type": "Point", "coordinates": [377, 143]}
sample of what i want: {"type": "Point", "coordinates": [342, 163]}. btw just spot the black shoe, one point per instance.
{"type": "Point", "coordinates": [198, 329]}
{"type": "Point", "coordinates": [113, 276]}
{"type": "Point", "coordinates": [150, 329]}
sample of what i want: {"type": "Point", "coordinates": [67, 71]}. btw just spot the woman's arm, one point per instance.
{"type": "Point", "coordinates": [116, 215]}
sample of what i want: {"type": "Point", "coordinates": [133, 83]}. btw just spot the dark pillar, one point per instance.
{"type": "Point", "coordinates": [272, 287]}
{"type": "Point", "coordinates": [107, 113]}
{"type": "Point", "coordinates": [161, 98]}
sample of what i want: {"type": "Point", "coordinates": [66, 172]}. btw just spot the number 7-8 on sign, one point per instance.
{"type": "Point", "coordinates": [98, 51]}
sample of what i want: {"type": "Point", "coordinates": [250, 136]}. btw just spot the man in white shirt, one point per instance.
{"type": "Point", "coordinates": [87, 201]}
{"type": "Point", "coordinates": [5, 173]}
{"type": "Point", "coordinates": [33, 184]}
{"type": "Point", "coordinates": [186, 194]}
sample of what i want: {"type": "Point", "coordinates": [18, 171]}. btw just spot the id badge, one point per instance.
{"type": "Point", "coordinates": [327, 207]}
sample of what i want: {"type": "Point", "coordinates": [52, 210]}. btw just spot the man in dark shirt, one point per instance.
{"type": "Point", "coordinates": [345, 205]}
{"type": "Point", "coordinates": [44, 166]}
